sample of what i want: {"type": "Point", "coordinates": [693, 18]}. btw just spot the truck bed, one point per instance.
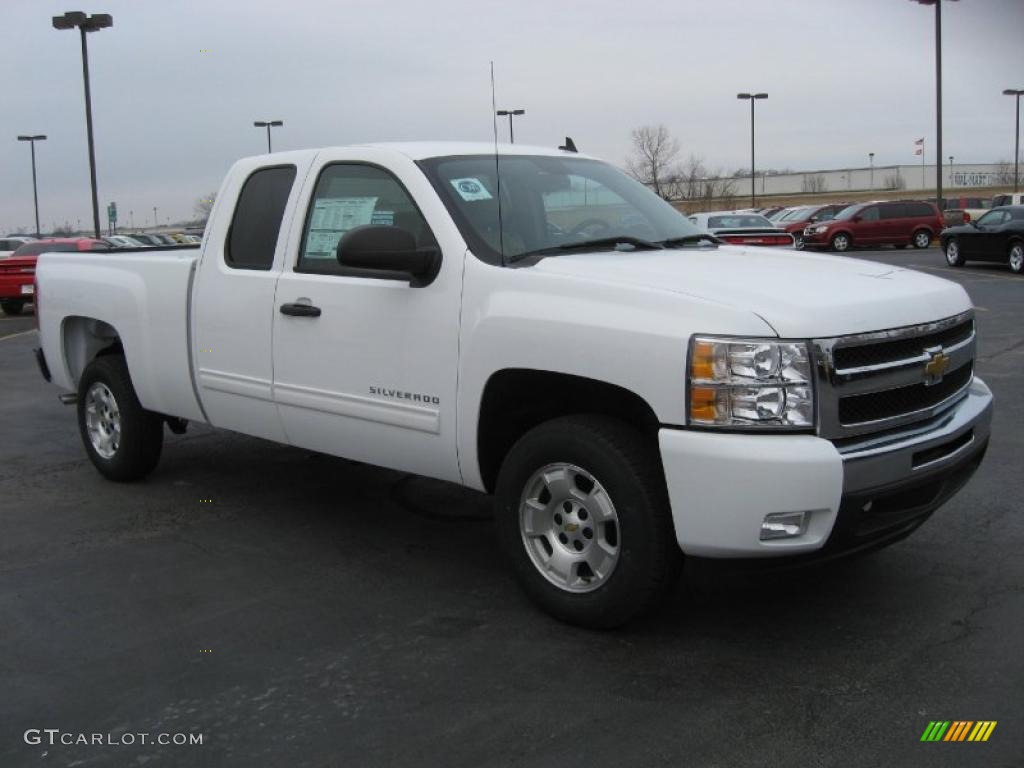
{"type": "Point", "coordinates": [143, 295]}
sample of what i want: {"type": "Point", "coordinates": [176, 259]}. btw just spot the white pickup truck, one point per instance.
{"type": "Point", "coordinates": [534, 324]}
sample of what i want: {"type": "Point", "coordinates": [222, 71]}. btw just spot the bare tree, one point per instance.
{"type": "Point", "coordinates": [894, 181]}
{"type": "Point", "coordinates": [653, 159]}
{"type": "Point", "coordinates": [203, 206]}
{"type": "Point", "coordinates": [814, 182]}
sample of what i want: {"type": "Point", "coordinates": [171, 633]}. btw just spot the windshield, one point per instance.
{"type": "Point", "coordinates": [795, 214]}
{"type": "Point", "coordinates": [739, 221]}
{"type": "Point", "coordinates": [549, 202]}
{"type": "Point", "coordinates": [847, 212]}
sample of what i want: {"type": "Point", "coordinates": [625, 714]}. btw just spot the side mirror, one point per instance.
{"type": "Point", "coordinates": [388, 253]}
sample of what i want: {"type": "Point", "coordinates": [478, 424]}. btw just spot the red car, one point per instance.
{"type": "Point", "coordinates": [17, 272]}
{"type": "Point", "coordinates": [902, 223]}
{"type": "Point", "coordinates": [797, 220]}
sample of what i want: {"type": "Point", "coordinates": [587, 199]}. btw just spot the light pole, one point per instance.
{"type": "Point", "coordinates": [268, 124]}
{"type": "Point", "coordinates": [85, 24]}
{"type": "Point", "coordinates": [753, 97]}
{"type": "Point", "coordinates": [35, 194]}
{"type": "Point", "coordinates": [938, 98]}
{"type": "Point", "coordinates": [871, 163]}
{"type": "Point", "coordinates": [155, 224]}
{"type": "Point", "coordinates": [510, 113]}
{"type": "Point", "coordinates": [1016, 136]}
{"type": "Point", "coordinates": [951, 172]}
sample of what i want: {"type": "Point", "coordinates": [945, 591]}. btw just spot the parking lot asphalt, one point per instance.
{"type": "Point", "coordinates": [297, 609]}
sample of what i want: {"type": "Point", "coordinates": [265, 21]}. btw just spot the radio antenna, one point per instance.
{"type": "Point", "coordinates": [497, 169]}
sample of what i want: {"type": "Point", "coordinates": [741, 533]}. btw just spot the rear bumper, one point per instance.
{"type": "Point", "coordinates": [44, 369]}
{"type": "Point", "coordinates": [855, 496]}
{"type": "Point", "coordinates": [15, 286]}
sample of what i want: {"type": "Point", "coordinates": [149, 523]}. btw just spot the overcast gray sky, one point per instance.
{"type": "Point", "coordinates": [178, 83]}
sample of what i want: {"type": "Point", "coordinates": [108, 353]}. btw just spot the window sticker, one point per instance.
{"type": "Point", "coordinates": [333, 217]}
{"type": "Point", "coordinates": [385, 218]}
{"type": "Point", "coordinates": [471, 189]}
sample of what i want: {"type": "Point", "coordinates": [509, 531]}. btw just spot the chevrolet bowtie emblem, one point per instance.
{"type": "Point", "coordinates": [936, 366]}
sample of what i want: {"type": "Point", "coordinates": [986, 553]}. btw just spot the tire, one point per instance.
{"type": "Point", "coordinates": [122, 439]}
{"type": "Point", "coordinates": [952, 250]}
{"type": "Point", "coordinates": [798, 242]}
{"type": "Point", "coordinates": [922, 238]}
{"type": "Point", "coordinates": [12, 308]}
{"type": "Point", "coordinates": [840, 242]}
{"type": "Point", "coordinates": [1015, 257]}
{"type": "Point", "coordinates": [596, 474]}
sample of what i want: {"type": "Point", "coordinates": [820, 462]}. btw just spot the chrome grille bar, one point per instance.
{"type": "Point", "coordinates": [903, 377]}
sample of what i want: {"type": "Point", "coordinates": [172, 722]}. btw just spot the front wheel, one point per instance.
{"type": "Point", "coordinates": [922, 239]}
{"type": "Point", "coordinates": [583, 516]}
{"type": "Point", "coordinates": [12, 308]}
{"type": "Point", "coordinates": [1016, 258]}
{"type": "Point", "coordinates": [798, 242]}
{"type": "Point", "coordinates": [123, 440]}
{"type": "Point", "coordinates": [840, 242]}
{"type": "Point", "coordinates": [953, 256]}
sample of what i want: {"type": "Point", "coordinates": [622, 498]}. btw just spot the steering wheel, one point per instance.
{"type": "Point", "coordinates": [583, 226]}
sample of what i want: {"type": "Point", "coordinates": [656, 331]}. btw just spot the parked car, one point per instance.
{"type": "Point", "coordinates": [996, 236]}
{"type": "Point", "coordinates": [780, 212]}
{"type": "Point", "coordinates": [1015, 198]}
{"type": "Point", "coordinates": [18, 270]}
{"type": "Point", "coordinates": [123, 241]}
{"type": "Point", "coordinates": [147, 239]}
{"type": "Point", "coordinates": [741, 228]}
{"type": "Point", "coordinates": [960, 210]}
{"type": "Point", "coordinates": [798, 218]}
{"type": "Point", "coordinates": [11, 243]}
{"type": "Point", "coordinates": [899, 223]}
{"type": "Point", "coordinates": [624, 386]}
{"type": "Point", "coordinates": [768, 212]}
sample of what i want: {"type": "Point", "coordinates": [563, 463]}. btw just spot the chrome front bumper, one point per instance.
{"type": "Point", "coordinates": [909, 455]}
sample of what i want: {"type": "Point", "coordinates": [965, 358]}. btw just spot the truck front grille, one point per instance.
{"type": "Point", "coordinates": [878, 381]}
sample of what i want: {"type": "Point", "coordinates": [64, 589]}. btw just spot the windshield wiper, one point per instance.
{"type": "Point", "coordinates": [601, 242]}
{"type": "Point", "coordinates": [687, 239]}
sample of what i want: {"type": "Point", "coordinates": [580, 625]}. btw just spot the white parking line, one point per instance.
{"type": "Point", "coordinates": [978, 276]}
{"type": "Point", "coordinates": [16, 335]}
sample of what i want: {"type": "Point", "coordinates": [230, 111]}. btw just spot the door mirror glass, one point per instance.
{"type": "Point", "coordinates": [388, 251]}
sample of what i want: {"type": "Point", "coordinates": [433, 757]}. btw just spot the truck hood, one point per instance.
{"type": "Point", "coordinates": [800, 294]}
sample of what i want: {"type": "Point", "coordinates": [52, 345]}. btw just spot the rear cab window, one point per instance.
{"type": "Point", "coordinates": [252, 238]}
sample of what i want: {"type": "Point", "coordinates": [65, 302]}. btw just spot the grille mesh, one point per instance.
{"type": "Point", "coordinates": [872, 406]}
{"type": "Point", "coordinates": [900, 349]}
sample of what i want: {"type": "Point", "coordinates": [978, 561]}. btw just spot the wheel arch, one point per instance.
{"type": "Point", "coordinates": [83, 339]}
{"type": "Point", "coordinates": [515, 400]}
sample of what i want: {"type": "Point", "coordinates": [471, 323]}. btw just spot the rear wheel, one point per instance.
{"type": "Point", "coordinates": [123, 440]}
{"type": "Point", "coordinates": [953, 256]}
{"type": "Point", "coordinates": [840, 242]}
{"type": "Point", "coordinates": [583, 516]}
{"type": "Point", "coordinates": [12, 308]}
{"type": "Point", "coordinates": [1016, 258]}
{"type": "Point", "coordinates": [922, 238]}
{"type": "Point", "coordinates": [798, 242]}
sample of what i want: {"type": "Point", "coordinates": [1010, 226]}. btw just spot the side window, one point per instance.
{"type": "Point", "coordinates": [920, 209]}
{"type": "Point", "coordinates": [257, 220]}
{"type": "Point", "coordinates": [350, 195]}
{"type": "Point", "coordinates": [870, 214]}
{"type": "Point", "coordinates": [893, 210]}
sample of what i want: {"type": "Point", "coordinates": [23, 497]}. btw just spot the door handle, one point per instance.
{"type": "Point", "coordinates": [300, 310]}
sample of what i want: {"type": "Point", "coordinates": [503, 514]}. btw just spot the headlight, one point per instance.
{"type": "Point", "coordinates": [820, 228]}
{"type": "Point", "coordinates": [750, 383]}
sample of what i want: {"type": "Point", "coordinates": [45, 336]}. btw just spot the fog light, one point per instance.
{"type": "Point", "coordinates": [783, 525]}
